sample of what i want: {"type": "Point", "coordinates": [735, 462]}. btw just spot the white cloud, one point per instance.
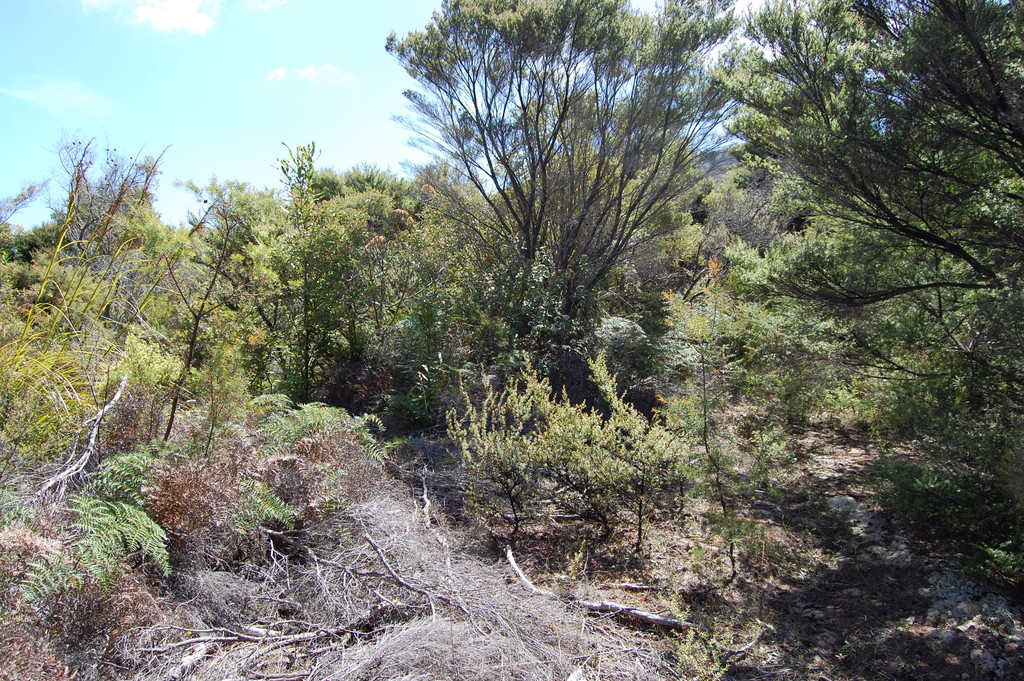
{"type": "Point", "coordinates": [327, 74]}
{"type": "Point", "coordinates": [307, 73]}
{"type": "Point", "coordinates": [193, 16]}
{"type": "Point", "coordinates": [265, 5]}
{"type": "Point", "coordinates": [64, 97]}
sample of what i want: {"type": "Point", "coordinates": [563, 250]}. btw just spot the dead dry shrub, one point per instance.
{"type": "Point", "coordinates": [57, 620]}
{"type": "Point", "coordinates": [224, 599]}
{"type": "Point", "coordinates": [321, 473]}
{"type": "Point", "coordinates": [380, 590]}
{"type": "Point", "coordinates": [24, 555]}
{"type": "Point", "coordinates": [137, 418]}
{"type": "Point", "coordinates": [90, 621]}
{"type": "Point", "coordinates": [195, 505]}
{"type": "Point", "coordinates": [29, 656]}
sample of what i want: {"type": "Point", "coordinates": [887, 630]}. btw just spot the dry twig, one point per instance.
{"type": "Point", "coordinates": [609, 607]}
{"type": "Point", "coordinates": [76, 466]}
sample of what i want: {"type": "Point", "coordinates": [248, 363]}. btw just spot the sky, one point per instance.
{"type": "Point", "coordinates": [217, 87]}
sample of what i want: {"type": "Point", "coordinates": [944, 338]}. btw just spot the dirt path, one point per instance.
{"type": "Point", "coordinates": [869, 604]}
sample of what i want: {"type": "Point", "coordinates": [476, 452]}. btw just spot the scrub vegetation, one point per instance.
{"type": "Point", "coordinates": [696, 352]}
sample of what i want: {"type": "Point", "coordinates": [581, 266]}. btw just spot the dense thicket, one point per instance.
{"type": "Point", "coordinates": [897, 127]}
{"type": "Point", "coordinates": [568, 129]}
{"type": "Point", "coordinates": [604, 320]}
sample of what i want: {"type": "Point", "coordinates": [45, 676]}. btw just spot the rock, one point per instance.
{"type": "Point", "coordinates": [842, 504]}
{"type": "Point", "coordinates": [983, 660]}
{"type": "Point", "coordinates": [946, 638]}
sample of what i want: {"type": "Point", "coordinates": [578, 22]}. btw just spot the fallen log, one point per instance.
{"type": "Point", "coordinates": [606, 607]}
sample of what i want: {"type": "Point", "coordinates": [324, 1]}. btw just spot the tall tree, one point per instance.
{"type": "Point", "coordinates": [897, 125]}
{"type": "Point", "coordinates": [902, 119]}
{"type": "Point", "coordinates": [569, 125]}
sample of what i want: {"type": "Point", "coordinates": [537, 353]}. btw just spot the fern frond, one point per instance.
{"type": "Point", "coordinates": [12, 508]}
{"type": "Point", "coordinates": [47, 577]}
{"type": "Point", "coordinates": [122, 477]}
{"type": "Point", "coordinates": [274, 403]}
{"type": "Point", "coordinates": [111, 531]}
{"type": "Point", "coordinates": [260, 505]}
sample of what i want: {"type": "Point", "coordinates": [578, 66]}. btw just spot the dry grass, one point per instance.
{"type": "Point", "coordinates": [398, 597]}
{"type": "Point", "coordinates": [29, 656]}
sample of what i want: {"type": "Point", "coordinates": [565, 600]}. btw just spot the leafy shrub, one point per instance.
{"type": "Point", "coordinates": [626, 347]}
{"type": "Point", "coordinates": [141, 415]}
{"type": "Point", "coordinates": [526, 440]}
{"type": "Point", "coordinates": [789, 356]}
{"type": "Point", "coordinates": [289, 426]}
{"type": "Point", "coordinates": [499, 451]}
{"type": "Point", "coordinates": [964, 509]}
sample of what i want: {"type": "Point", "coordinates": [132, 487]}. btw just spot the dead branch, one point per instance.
{"type": "Point", "coordinates": [628, 586]}
{"type": "Point", "coordinates": [616, 609]}
{"type": "Point", "coordinates": [394, 575]}
{"type": "Point", "coordinates": [276, 640]}
{"type": "Point", "coordinates": [72, 469]}
{"type": "Point", "coordinates": [731, 652]}
{"type": "Point", "coordinates": [631, 613]}
{"type": "Point", "coordinates": [523, 578]}
{"type": "Point", "coordinates": [454, 602]}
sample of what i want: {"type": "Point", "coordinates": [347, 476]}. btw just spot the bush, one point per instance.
{"type": "Point", "coordinates": [964, 509]}
{"type": "Point", "coordinates": [525, 441]}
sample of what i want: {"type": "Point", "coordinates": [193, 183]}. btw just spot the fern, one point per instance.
{"type": "Point", "coordinates": [260, 506]}
{"type": "Point", "coordinates": [111, 531]}
{"type": "Point", "coordinates": [122, 477]}
{"type": "Point", "coordinates": [288, 426]}
{"type": "Point", "coordinates": [273, 403]}
{"type": "Point", "coordinates": [50, 575]}
{"type": "Point", "coordinates": [12, 509]}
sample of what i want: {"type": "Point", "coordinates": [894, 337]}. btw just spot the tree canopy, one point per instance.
{"type": "Point", "coordinates": [902, 120]}
{"type": "Point", "coordinates": [570, 126]}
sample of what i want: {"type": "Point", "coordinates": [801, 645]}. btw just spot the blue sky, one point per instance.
{"type": "Point", "coordinates": [215, 85]}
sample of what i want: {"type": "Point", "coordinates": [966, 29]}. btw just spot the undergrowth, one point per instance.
{"type": "Point", "coordinates": [964, 509]}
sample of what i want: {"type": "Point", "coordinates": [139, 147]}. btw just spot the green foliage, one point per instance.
{"type": "Point", "coordinates": [47, 576]}
{"type": "Point", "coordinates": [91, 277]}
{"type": "Point", "coordinates": [288, 425]}
{"type": "Point", "coordinates": [700, 655]}
{"type": "Point", "coordinates": [525, 440]}
{"type": "Point", "coordinates": [791, 357]}
{"type": "Point", "coordinates": [711, 353]}
{"type": "Point", "coordinates": [853, 317]}
{"type": "Point", "coordinates": [629, 351]}
{"type": "Point", "coordinates": [569, 128]}
{"type": "Point", "coordinates": [217, 404]}
{"type": "Point", "coordinates": [260, 506]}
{"type": "Point", "coordinates": [893, 121]}
{"type": "Point", "coordinates": [122, 477]}
{"type": "Point", "coordinates": [148, 364]}
{"type": "Point", "coordinates": [498, 449]}
{"type": "Point", "coordinates": [12, 509]}
{"type": "Point", "coordinates": [961, 508]}
{"type": "Point", "coordinates": [42, 400]}
{"type": "Point", "coordinates": [110, 531]}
